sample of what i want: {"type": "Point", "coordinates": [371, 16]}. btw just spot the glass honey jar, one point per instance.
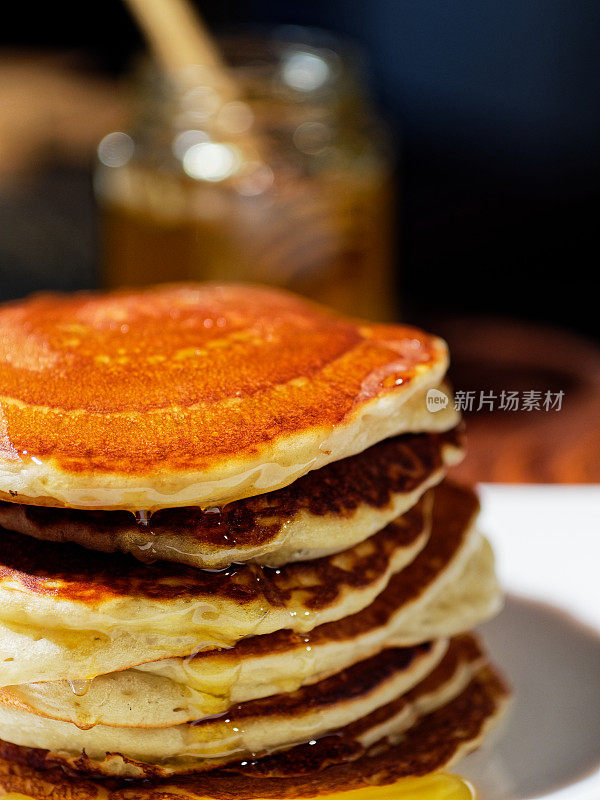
{"type": "Point", "coordinates": [289, 183]}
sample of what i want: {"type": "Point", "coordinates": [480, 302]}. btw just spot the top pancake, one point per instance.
{"type": "Point", "coordinates": [196, 394]}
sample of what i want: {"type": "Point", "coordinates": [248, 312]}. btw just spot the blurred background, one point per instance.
{"type": "Point", "coordinates": [437, 162]}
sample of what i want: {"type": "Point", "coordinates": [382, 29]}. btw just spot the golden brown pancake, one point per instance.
{"type": "Point", "coordinates": [455, 592]}
{"type": "Point", "coordinates": [67, 612]}
{"type": "Point", "coordinates": [151, 702]}
{"type": "Point", "coordinates": [245, 730]}
{"type": "Point", "coordinates": [323, 512]}
{"type": "Point", "coordinates": [197, 394]}
{"type": "Point", "coordinates": [255, 661]}
{"type": "Point", "coordinates": [233, 420]}
{"type": "Point", "coordinates": [257, 728]}
{"type": "Point", "coordinates": [462, 661]}
{"type": "Point", "coordinates": [435, 743]}
{"type": "Point", "coordinates": [429, 728]}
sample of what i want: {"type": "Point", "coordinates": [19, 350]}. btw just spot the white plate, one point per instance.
{"type": "Point", "coordinates": [547, 642]}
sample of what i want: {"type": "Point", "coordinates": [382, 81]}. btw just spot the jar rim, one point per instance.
{"type": "Point", "coordinates": [341, 69]}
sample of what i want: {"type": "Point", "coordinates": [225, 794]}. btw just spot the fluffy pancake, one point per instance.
{"type": "Point", "coordinates": [259, 727]}
{"type": "Point", "coordinates": [450, 587]}
{"type": "Point", "coordinates": [323, 512]}
{"type": "Point", "coordinates": [434, 743]}
{"type": "Point", "coordinates": [72, 613]}
{"type": "Point", "coordinates": [197, 394]}
{"type": "Point", "coordinates": [107, 698]}
{"type": "Point", "coordinates": [447, 589]}
{"type": "Point", "coordinates": [463, 659]}
{"type": "Point", "coordinates": [133, 699]}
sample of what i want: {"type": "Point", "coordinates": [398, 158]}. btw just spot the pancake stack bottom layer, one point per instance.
{"type": "Point", "coordinates": [255, 578]}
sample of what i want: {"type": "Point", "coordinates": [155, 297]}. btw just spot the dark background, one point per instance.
{"type": "Point", "coordinates": [496, 119]}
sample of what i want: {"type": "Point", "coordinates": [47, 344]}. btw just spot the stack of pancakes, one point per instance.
{"type": "Point", "coordinates": [228, 547]}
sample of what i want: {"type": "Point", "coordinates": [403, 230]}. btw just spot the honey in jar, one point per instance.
{"type": "Point", "coordinates": [289, 184]}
